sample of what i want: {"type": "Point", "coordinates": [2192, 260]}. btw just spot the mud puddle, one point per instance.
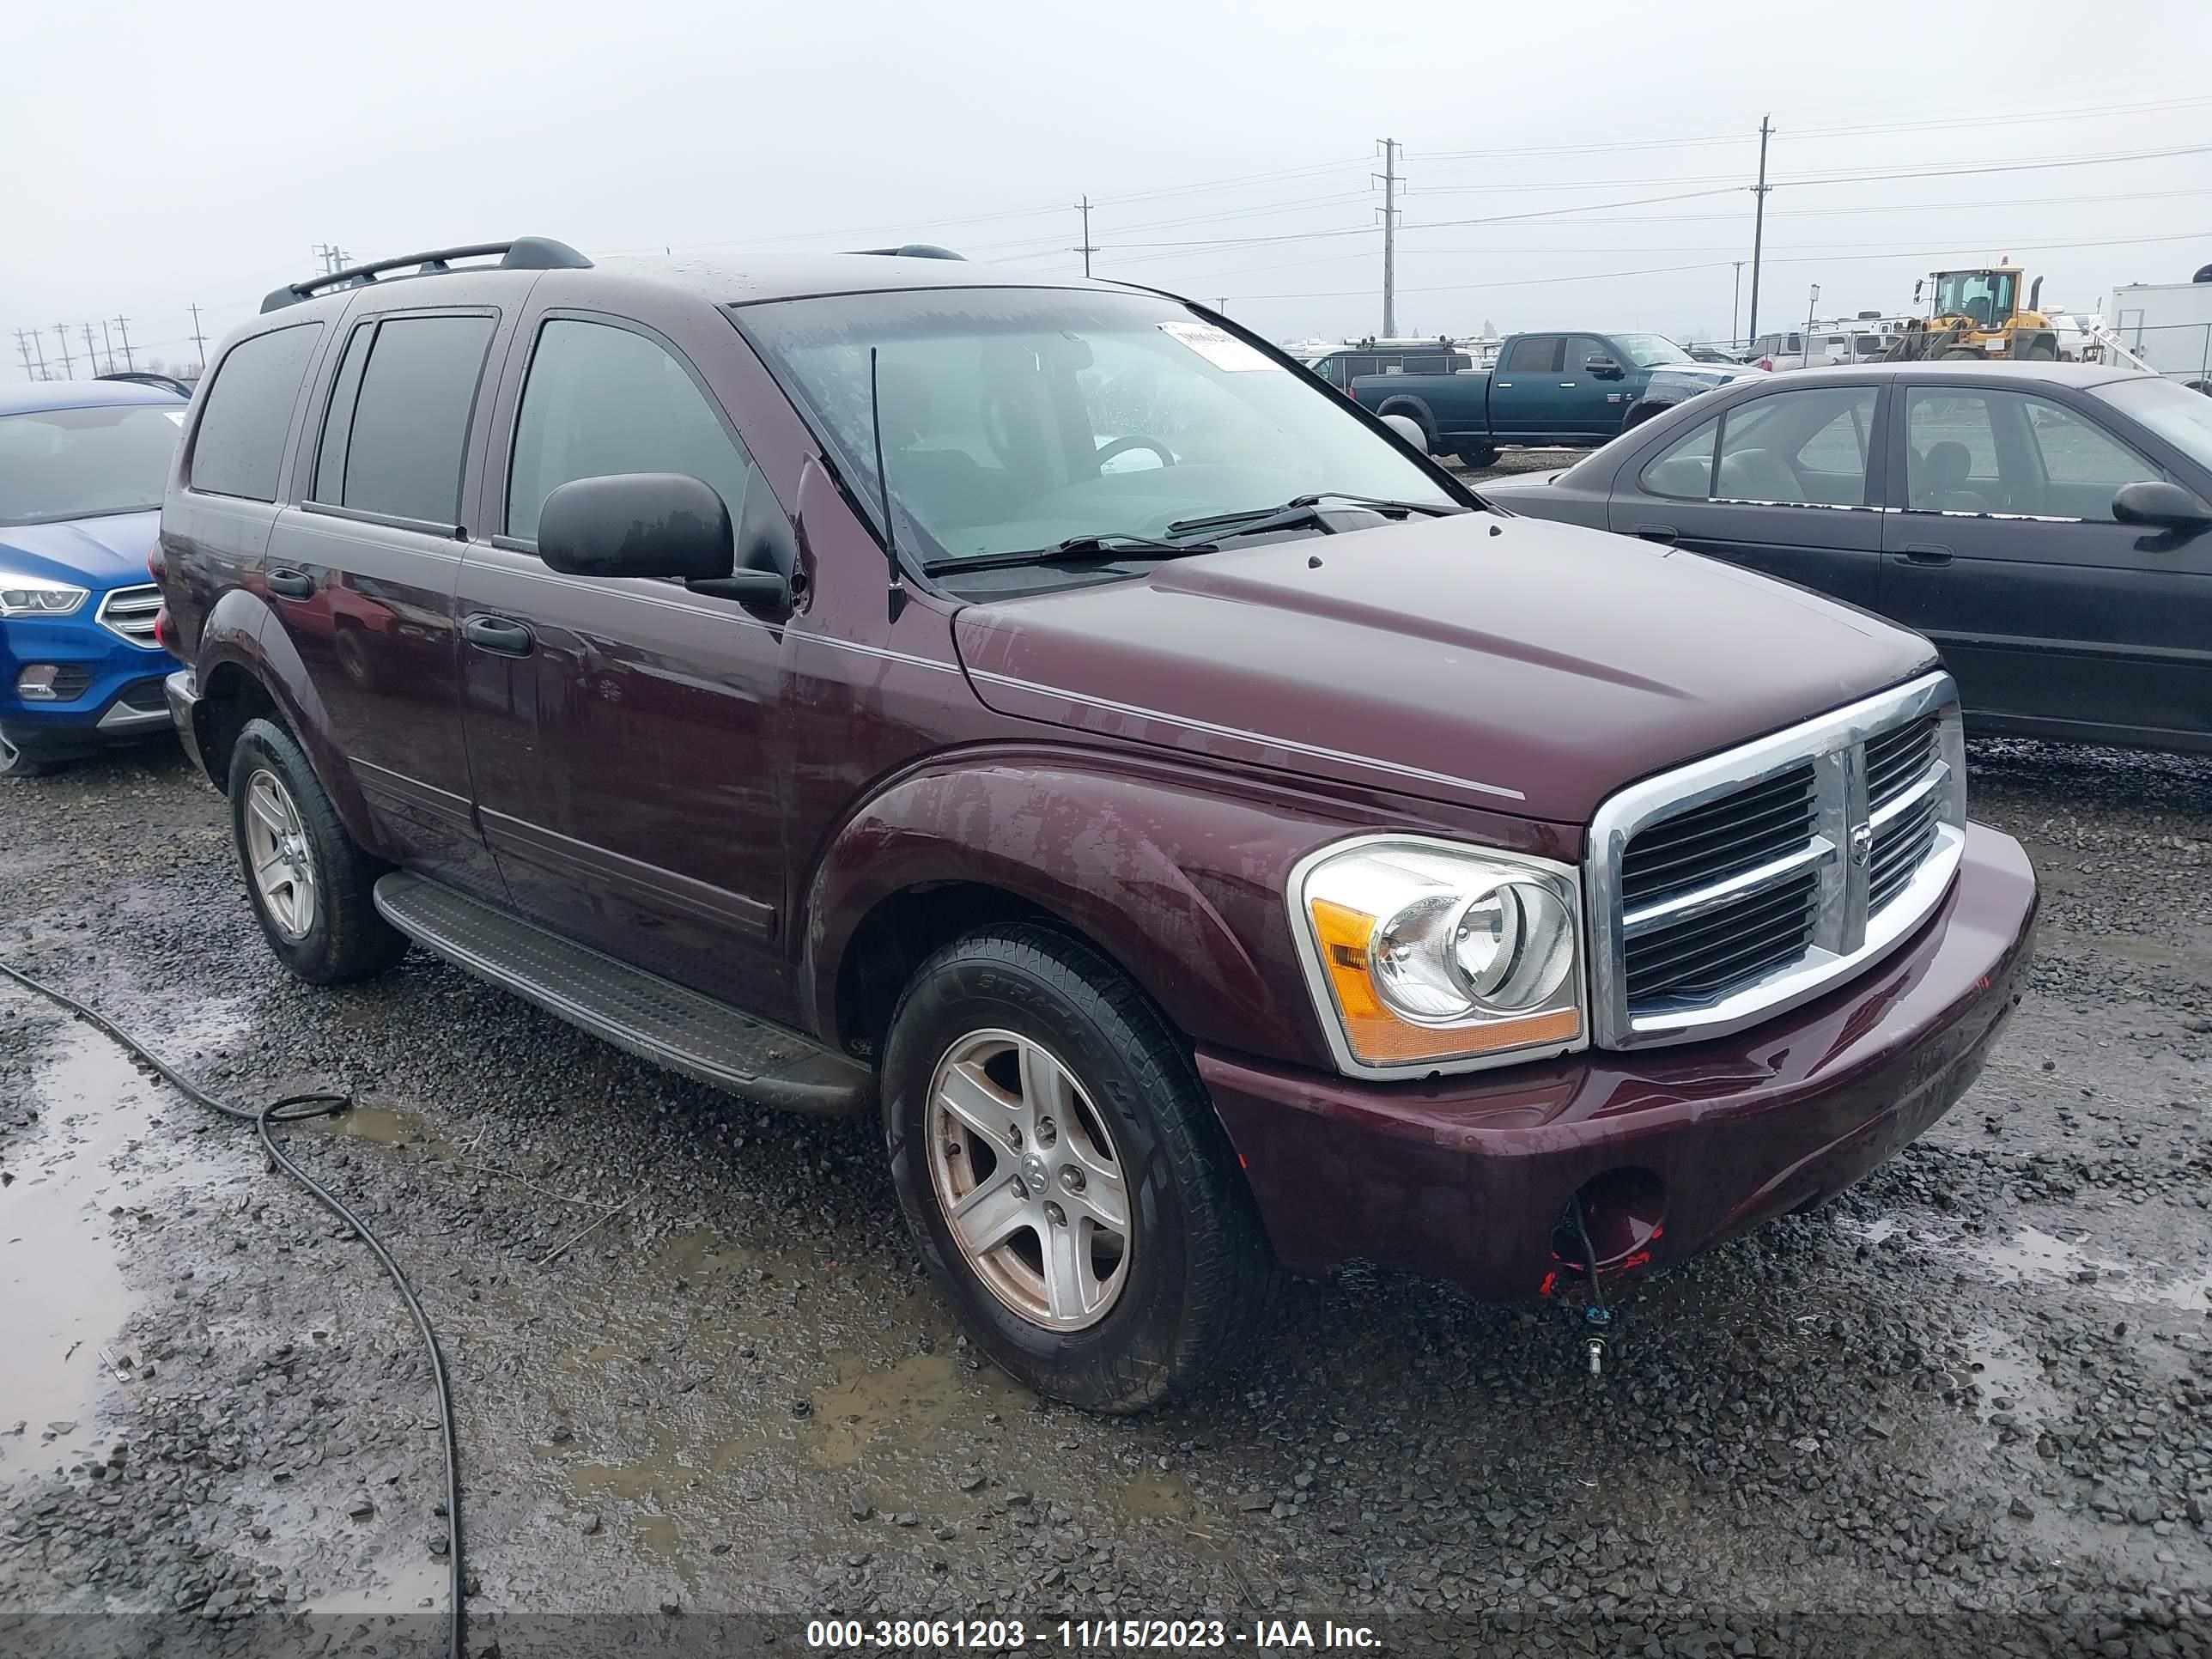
{"type": "Point", "coordinates": [63, 1298]}
{"type": "Point", "coordinates": [2029, 1255]}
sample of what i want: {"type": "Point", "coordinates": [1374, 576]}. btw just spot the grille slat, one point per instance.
{"type": "Point", "coordinates": [1719, 839]}
{"type": "Point", "coordinates": [1701, 949]}
{"type": "Point", "coordinates": [130, 611]}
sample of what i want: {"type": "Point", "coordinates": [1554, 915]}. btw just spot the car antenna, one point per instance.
{"type": "Point", "coordinates": [884, 486]}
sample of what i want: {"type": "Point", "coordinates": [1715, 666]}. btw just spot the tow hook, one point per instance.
{"type": "Point", "coordinates": [1598, 1319]}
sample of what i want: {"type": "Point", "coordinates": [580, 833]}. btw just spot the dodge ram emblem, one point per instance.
{"type": "Point", "coordinates": [1862, 844]}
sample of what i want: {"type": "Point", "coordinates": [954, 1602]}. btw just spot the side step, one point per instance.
{"type": "Point", "coordinates": [642, 1012]}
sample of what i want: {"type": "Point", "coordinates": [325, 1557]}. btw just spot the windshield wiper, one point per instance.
{"type": "Point", "coordinates": [1302, 509]}
{"type": "Point", "coordinates": [1073, 549]}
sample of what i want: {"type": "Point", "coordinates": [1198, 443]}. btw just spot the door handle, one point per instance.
{"type": "Point", "coordinates": [1657, 533]}
{"type": "Point", "coordinates": [1569, 386]}
{"type": "Point", "coordinates": [291, 584]}
{"type": "Point", "coordinates": [1505, 385]}
{"type": "Point", "coordinates": [1927, 553]}
{"type": "Point", "coordinates": [500, 635]}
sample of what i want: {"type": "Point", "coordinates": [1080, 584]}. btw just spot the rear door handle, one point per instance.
{"type": "Point", "coordinates": [1927, 553]}
{"type": "Point", "coordinates": [291, 584]}
{"type": "Point", "coordinates": [1657, 533]}
{"type": "Point", "coordinates": [501, 635]}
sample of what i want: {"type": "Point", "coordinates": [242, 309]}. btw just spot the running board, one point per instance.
{"type": "Point", "coordinates": [646, 1015]}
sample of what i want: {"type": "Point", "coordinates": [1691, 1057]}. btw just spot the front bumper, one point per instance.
{"type": "Point", "coordinates": [1465, 1177]}
{"type": "Point", "coordinates": [117, 696]}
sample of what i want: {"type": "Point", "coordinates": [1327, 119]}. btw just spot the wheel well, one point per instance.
{"type": "Point", "coordinates": [1643, 412]}
{"type": "Point", "coordinates": [232, 697]}
{"type": "Point", "coordinates": [899, 935]}
{"type": "Point", "coordinates": [1411, 408]}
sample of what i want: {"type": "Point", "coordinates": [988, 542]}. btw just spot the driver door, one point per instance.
{"type": "Point", "coordinates": [2002, 548]}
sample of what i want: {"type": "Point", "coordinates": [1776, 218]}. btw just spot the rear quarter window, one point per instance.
{"type": "Point", "coordinates": [238, 448]}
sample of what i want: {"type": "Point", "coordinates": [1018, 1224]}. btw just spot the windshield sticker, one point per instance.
{"type": "Point", "coordinates": [1219, 347]}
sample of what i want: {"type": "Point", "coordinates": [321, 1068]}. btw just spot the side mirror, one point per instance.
{"type": "Point", "coordinates": [2163, 506]}
{"type": "Point", "coordinates": [668, 525]}
{"type": "Point", "coordinates": [1408, 428]}
{"type": "Point", "coordinates": [1603, 368]}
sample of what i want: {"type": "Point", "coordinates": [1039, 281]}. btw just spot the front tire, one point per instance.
{"type": "Point", "coordinates": [308, 879]}
{"type": "Point", "coordinates": [1477, 455]}
{"type": "Point", "coordinates": [1072, 1194]}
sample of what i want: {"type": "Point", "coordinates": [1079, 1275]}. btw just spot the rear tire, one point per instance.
{"type": "Point", "coordinates": [308, 879]}
{"type": "Point", "coordinates": [1157, 1306]}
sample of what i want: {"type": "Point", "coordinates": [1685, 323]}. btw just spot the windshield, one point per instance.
{"type": "Point", "coordinates": [83, 463]}
{"type": "Point", "coordinates": [2182, 417]}
{"type": "Point", "coordinates": [1651, 350]}
{"type": "Point", "coordinates": [1985, 295]}
{"type": "Point", "coordinates": [1017, 418]}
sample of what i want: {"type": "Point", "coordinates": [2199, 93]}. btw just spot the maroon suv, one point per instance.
{"type": "Point", "coordinates": [1040, 711]}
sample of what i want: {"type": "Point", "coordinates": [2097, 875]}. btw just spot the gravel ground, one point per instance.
{"type": "Point", "coordinates": [1963, 1409]}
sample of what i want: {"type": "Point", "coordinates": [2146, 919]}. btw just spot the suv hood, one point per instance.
{"type": "Point", "coordinates": [1513, 665]}
{"type": "Point", "coordinates": [97, 553]}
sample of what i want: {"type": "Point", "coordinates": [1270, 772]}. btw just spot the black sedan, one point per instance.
{"type": "Point", "coordinates": [2045, 523]}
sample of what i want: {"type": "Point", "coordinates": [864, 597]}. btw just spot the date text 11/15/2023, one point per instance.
{"type": "Point", "coordinates": [1163, 1635]}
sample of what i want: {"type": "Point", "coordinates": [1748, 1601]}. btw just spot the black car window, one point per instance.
{"type": "Point", "coordinates": [1534, 353]}
{"type": "Point", "coordinates": [2010, 452]}
{"type": "Point", "coordinates": [410, 420]}
{"type": "Point", "coordinates": [1797, 448]}
{"type": "Point", "coordinates": [238, 448]}
{"type": "Point", "coordinates": [601, 399]}
{"type": "Point", "coordinates": [329, 456]}
{"type": "Point", "coordinates": [1683, 472]}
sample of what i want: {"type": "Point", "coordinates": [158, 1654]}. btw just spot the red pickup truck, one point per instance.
{"type": "Point", "coordinates": [1038, 712]}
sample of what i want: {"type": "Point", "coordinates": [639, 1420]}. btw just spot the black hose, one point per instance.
{"type": "Point", "coordinates": [298, 1109]}
{"type": "Point", "coordinates": [1589, 1257]}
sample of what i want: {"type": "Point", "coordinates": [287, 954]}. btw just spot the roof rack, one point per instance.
{"type": "Point", "coordinates": [523, 253]}
{"type": "Point", "coordinates": [143, 377]}
{"type": "Point", "coordinates": [915, 251]}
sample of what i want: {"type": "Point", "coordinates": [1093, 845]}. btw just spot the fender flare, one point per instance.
{"type": "Point", "coordinates": [1641, 412]}
{"type": "Point", "coordinates": [1120, 852]}
{"type": "Point", "coordinates": [241, 632]}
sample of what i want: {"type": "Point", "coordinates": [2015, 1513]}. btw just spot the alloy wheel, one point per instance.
{"type": "Point", "coordinates": [276, 849]}
{"type": "Point", "coordinates": [1028, 1181]}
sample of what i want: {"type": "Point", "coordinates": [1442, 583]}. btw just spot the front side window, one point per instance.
{"type": "Point", "coordinates": [238, 447]}
{"type": "Point", "coordinates": [1013, 419]}
{"type": "Point", "coordinates": [2010, 452]}
{"type": "Point", "coordinates": [407, 438]}
{"type": "Point", "coordinates": [85, 463]}
{"type": "Point", "coordinates": [601, 400]}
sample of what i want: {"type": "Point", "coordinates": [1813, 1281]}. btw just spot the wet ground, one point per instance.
{"type": "Point", "coordinates": [699, 1373]}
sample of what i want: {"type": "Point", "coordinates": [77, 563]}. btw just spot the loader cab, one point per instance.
{"type": "Point", "coordinates": [1989, 296]}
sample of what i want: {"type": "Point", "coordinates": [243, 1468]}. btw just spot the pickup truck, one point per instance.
{"type": "Point", "coordinates": [1551, 391]}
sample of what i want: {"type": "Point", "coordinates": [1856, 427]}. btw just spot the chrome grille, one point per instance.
{"type": "Point", "coordinates": [1737, 885]}
{"type": "Point", "coordinates": [130, 611]}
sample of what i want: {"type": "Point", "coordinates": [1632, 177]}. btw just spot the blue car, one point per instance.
{"type": "Point", "coordinates": [82, 466]}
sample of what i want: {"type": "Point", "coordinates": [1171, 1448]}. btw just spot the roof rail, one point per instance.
{"type": "Point", "coordinates": [524, 253]}
{"type": "Point", "coordinates": [915, 251]}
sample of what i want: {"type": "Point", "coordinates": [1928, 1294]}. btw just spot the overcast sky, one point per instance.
{"type": "Point", "coordinates": [162, 154]}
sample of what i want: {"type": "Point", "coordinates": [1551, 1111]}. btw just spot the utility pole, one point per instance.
{"type": "Point", "coordinates": [123, 327]}
{"type": "Point", "coordinates": [1735, 305]}
{"type": "Point", "coordinates": [1806, 362]}
{"type": "Point", "coordinates": [107, 340]}
{"type": "Point", "coordinates": [61, 332]}
{"type": "Point", "coordinates": [91, 362]}
{"type": "Point", "coordinates": [1758, 220]}
{"type": "Point", "coordinates": [23, 346]}
{"type": "Point", "coordinates": [1390, 181]}
{"type": "Point", "coordinates": [1086, 250]}
{"type": "Point", "coordinates": [39, 345]}
{"type": "Point", "coordinates": [199, 340]}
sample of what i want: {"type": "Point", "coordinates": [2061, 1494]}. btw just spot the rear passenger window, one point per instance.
{"type": "Point", "coordinates": [404, 448]}
{"type": "Point", "coordinates": [1534, 355]}
{"type": "Point", "coordinates": [239, 445]}
{"type": "Point", "coordinates": [601, 400]}
{"type": "Point", "coordinates": [1684, 470]}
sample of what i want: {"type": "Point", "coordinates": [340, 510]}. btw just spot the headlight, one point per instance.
{"type": "Point", "coordinates": [1424, 953]}
{"type": "Point", "coordinates": [36, 596]}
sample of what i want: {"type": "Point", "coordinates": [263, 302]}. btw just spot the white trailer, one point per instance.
{"type": "Point", "coordinates": [2169, 326]}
